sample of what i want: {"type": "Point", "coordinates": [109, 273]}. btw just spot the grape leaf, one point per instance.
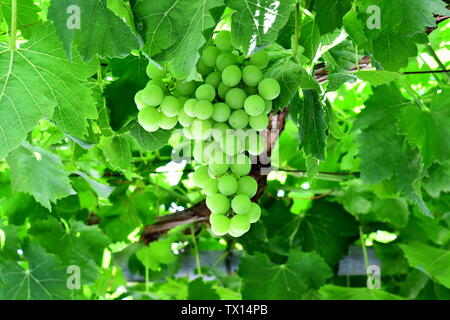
{"type": "Point", "coordinates": [429, 131]}
{"type": "Point", "coordinates": [434, 262]}
{"type": "Point", "coordinates": [101, 32]}
{"type": "Point", "coordinates": [156, 253]}
{"type": "Point", "coordinates": [117, 150]}
{"type": "Point", "coordinates": [288, 74]}
{"type": "Point", "coordinates": [149, 141]}
{"type": "Point", "coordinates": [101, 189]}
{"type": "Point", "coordinates": [332, 292]}
{"type": "Point", "coordinates": [301, 273]}
{"type": "Point", "coordinates": [39, 173]}
{"type": "Point", "coordinates": [39, 82]}
{"type": "Point", "coordinates": [256, 24]}
{"type": "Point", "coordinates": [200, 290]}
{"type": "Point", "coordinates": [438, 179]}
{"type": "Point", "coordinates": [330, 13]}
{"type": "Point", "coordinates": [27, 15]}
{"type": "Point", "coordinates": [176, 30]}
{"type": "Point", "coordinates": [377, 77]}
{"type": "Point", "coordinates": [393, 211]}
{"type": "Point", "coordinates": [43, 280]}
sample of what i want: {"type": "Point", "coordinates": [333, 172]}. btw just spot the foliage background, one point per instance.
{"type": "Point", "coordinates": [363, 157]}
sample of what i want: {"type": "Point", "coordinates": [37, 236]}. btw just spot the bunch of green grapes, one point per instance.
{"type": "Point", "coordinates": [223, 115]}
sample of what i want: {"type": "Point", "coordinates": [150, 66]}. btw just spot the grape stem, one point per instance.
{"type": "Point", "coordinates": [12, 43]}
{"type": "Point", "coordinates": [296, 32]}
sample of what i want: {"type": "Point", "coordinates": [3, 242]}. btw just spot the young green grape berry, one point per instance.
{"type": "Point", "coordinates": [221, 112]}
{"type": "Point", "coordinates": [220, 224]}
{"type": "Point", "coordinates": [227, 185]}
{"type": "Point", "coordinates": [239, 224]}
{"type": "Point", "coordinates": [255, 213]}
{"type": "Point", "coordinates": [185, 88]}
{"type": "Point", "coordinates": [155, 73]}
{"type": "Point", "coordinates": [230, 144]}
{"type": "Point", "coordinates": [241, 165]}
{"type": "Point", "coordinates": [210, 187]}
{"type": "Point", "coordinates": [231, 75]}
{"type": "Point", "coordinates": [255, 144]}
{"type": "Point", "coordinates": [167, 123]}
{"type": "Point", "coordinates": [224, 60]}
{"type": "Point", "coordinates": [158, 83]}
{"type": "Point", "coordinates": [170, 106]}
{"type": "Point", "coordinates": [205, 92]}
{"type": "Point", "coordinates": [219, 163]}
{"type": "Point", "coordinates": [201, 176]}
{"type": "Point", "coordinates": [247, 186]}
{"type": "Point", "coordinates": [268, 108]}
{"type": "Point", "coordinates": [269, 88]}
{"type": "Point", "coordinates": [254, 105]}
{"type": "Point", "coordinates": [198, 151]}
{"type": "Point", "coordinates": [240, 204]}
{"type": "Point", "coordinates": [149, 119]}
{"type": "Point", "coordinates": [260, 59]}
{"type": "Point", "coordinates": [139, 100]}
{"type": "Point", "coordinates": [214, 79]}
{"type": "Point", "coordinates": [222, 89]}
{"type": "Point", "coordinates": [218, 203]}
{"type": "Point", "coordinates": [223, 40]}
{"type": "Point", "coordinates": [203, 109]}
{"type": "Point", "coordinates": [189, 107]}
{"type": "Point", "coordinates": [259, 123]}
{"type": "Point", "coordinates": [251, 75]}
{"type": "Point", "coordinates": [203, 69]}
{"type": "Point", "coordinates": [238, 119]}
{"type": "Point", "coordinates": [184, 119]}
{"type": "Point", "coordinates": [235, 234]}
{"type": "Point", "coordinates": [219, 130]}
{"type": "Point", "coordinates": [201, 129]}
{"type": "Point", "coordinates": [235, 98]}
{"type": "Point", "coordinates": [209, 56]}
{"type": "Point", "coordinates": [152, 95]}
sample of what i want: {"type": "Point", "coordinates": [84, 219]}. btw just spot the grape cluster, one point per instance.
{"type": "Point", "coordinates": [223, 116]}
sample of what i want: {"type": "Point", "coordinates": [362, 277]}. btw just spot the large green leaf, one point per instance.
{"type": "Point", "coordinates": [117, 150]}
{"type": "Point", "coordinates": [176, 30]}
{"type": "Point", "coordinates": [39, 173]}
{"type": "Point", "coordinates": [27, 15]}
{"type": "Point", "coordinates": [438, 179]}
{"type": "Point", "coordinates": [393, 211]}
{"type": "Point", "coordinates": [330, 13]}
{"type": "Point", "coordinates": [38, 81]}
{"type": "Point", "coordinates": [256, 24]}
{"type": "Point", "coordinates": [200, 290]}
{"type": "Point", "coordinates": [332, 292]}
{"type": "Point", "coordinates": [149, 141]}
{"type": "Point", "coordinates": [377, 77]}
{"type": "Point", "coordinates": [156, 253]}
{"type": "Point", "coordinates": [101, 32]}
{"type": "Point", "coordinates": [301, 273]}
{"type": "Point", "coordinates": [434, 262]}
{"type": "Point", "coordinates": [44, 279]}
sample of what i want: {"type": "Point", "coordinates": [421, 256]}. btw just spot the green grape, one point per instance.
{"type": "Point", "coordinates": [260, 59]}
{"type": "Point", "coordinates": [189, 107]}
{"type": "Point", "coordinates": [227, 185]}
{"type": "Point", "coordinates": [205, 92]}
{"type": "Point", "coordinates": [158, 83]}
{"type": "Point", "coordinates": [223, 40]}
{"type": "Point", "coordinates": [255, 213]}
{"type": "Point", "coordinates": [182, 100]}
{"type": "Point", "coordinates": [203, 109]}
{"type": "Point", "coordinates": [241, 165]}
{"type": "Point", "coordinates": [149, 119]}
{"type": "Point", "coordinates": [210, 187]}
{"type": "Point", "coordinates": [251, 75]}
{"type": "Point", "coordinates": [220, 224]}
{"type": "Point", "coordinates": [235, 98]}
{"type": "Point", "coordinates": [255, 145]}
{"type": "Point", "coordinates": [240, 204]}
{"type": "Point", "coordinates": [238, 119]}
{"type": "Point", "coordinates": [254, 105]}
{"type": "Point", "coordinates": [235, 234]}
{"type": "Point", "coordinates": [214, 79]}
{"type": "Point", "coordinates": [269, 88]}
{"type": "Point", "coordinates": [201, 129]}
{"type": "Point", "coordinates": [201, 176]}
{"type": "Point", "coordinates": [268, 108]}
{"type": "Point", "coordinates": [184, 119]}
{"type": "Point", "coordinates": [187, 133]}
{"type": "Point", "coordinates": [167, 123]}
{"type": "Point", "coordinates": [203, 69]}
{"type": "Point", "coordinates": [239, 224]}
{"type": "Point", "coordinates": [221, 112]}
{"type": "Point", "coordinates": [170, 106]}
{"type": "Point", "coordinates": [153, 95]}
{"type": "Point", "coordinates": [222, 89]}
{"type": "Point", "coordinates": [247, 186]}
{"type": "Point", "coordinates": [251, 90]}
{"type": "Point", "coordinates": [259, 123]}
{"type": "Point", "coordinates": [185, 88]}
{"type": "Point", "coordinates": [224, 60]}
{"type": "Point", "coordinates": [218, 164]}
{"type": "Point", "coordinates": [230, 144]}
{"type": "Point", "coordinates": [209, 56]}
{"type": "Point", "coordinates": [218, 203]}
{"type": "Point", "coordinates": [155, 73]}
{"type": "Point", "coordinates": [219, 130]}
{"type": "Point", "coordinates": [198, 152]}
{"type": "Point", "coordinates": [231, 75]}
{"type": "Point", "coordinates": [139, 100]}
